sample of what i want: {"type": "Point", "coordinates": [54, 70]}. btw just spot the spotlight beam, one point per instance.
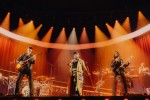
{"type": "Point", "coordinates": [76, 46]}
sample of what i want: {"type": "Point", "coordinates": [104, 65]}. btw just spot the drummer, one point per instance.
{"type": "Point", "coordinates": [143, 69]}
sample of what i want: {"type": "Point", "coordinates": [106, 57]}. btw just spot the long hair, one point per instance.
{"type": "Point", "coordinates": [115, 56]}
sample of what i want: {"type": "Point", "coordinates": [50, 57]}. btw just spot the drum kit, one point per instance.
{"type": "Point", "coordinates": [102, 75]}
{"type": "Point", "coordinates": [41, 85]}
{"type": "Point", "coordinates": [106, 72]}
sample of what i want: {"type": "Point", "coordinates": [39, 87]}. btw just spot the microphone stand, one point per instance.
{"type": "Point", "coordinates": [90, 75]}
{"type": "Point", "coordinates": [51, 65]}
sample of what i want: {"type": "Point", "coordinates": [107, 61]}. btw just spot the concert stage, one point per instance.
{"type": "Point", "coordinates": [130, 97]}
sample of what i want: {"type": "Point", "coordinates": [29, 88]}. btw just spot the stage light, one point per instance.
{"type": "Point", "coordinates": [21, 23]}
{"type": "Point", "coordinates": [110, 28]}
{"type": "Point", "coordinates": [126, 25]}
{"type": "Point", "coordinates": [6, 22]}
{"type": "Point", "coordinates": [118, 30]}
{"type": "Point", "coordinates": [84, 37]}
{"type": "Point", "coordinates": [60, 57]}
{"type": "Point", "coordinates": [142, 21]}
{"type": "Point", "coordinates": [33, 34]}
{"type": "Point", "coordinates": [99, 35]}
{"type": "Point", "coordinates": [25, 29]}
{"type": "Point", "coordinates": [47, 37]}
{"type": "Point", "coordinates": [73, 38]}
{"type": "Point", "coordinates": [62, 37]}
{"type": "Point", "coordinates": [100, 52]}
{"type": "Point", "coordinates": [132, 35]}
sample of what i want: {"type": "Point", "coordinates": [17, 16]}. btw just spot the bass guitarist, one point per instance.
{"type": "Point", "coordinates": [118, 66]}
{"type": "Point", "coordinates": [25, 61]}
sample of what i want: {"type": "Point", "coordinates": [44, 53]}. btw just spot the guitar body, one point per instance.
{"type": "Point", "coordinates": [22, 64]}
{"type": "Point", "coordinates": [119, 70]}
{"type": "Point", "coordinates": [116, 68]}
{"type": "Point", "coordinates": [20, 67]}
{"type": "Point", "coordinates": [121, 66]}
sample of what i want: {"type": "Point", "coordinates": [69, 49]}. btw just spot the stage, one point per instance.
{"type": "Point", "coordinates": [112, 41]}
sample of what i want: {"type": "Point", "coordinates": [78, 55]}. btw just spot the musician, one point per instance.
{"type": "Point", "coordinates": [143, 69]}
{"type": "Point", "coordinates": [77, 68]}
{"type": "Point", "coordinates": [25, 60]}
{"type": "Point", "coordinates": [117, 64]}
{"type": "Point", "coordinates": [144, 74]}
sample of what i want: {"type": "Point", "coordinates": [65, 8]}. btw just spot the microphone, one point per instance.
{"type": "Point", "coordinates": [50, 64]}
{"type": "Point", "coordinates": [12, 62]}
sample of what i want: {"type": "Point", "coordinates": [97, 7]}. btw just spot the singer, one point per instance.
{"type": "Point", "coordinates": [77, 68]}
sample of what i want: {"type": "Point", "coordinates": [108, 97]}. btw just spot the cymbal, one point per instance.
{"type": "Point", "coordinates": [52, 78]}
{"type": "Point", "coordinates": [102, 71]}
{"type": "Point", "coordinates": [13, 76]}
{"type": "Point", "coordinates": [49, 79]}
{"type": "Point", "coordinates": [46, 78]}
{"type": "Point", "coordinates": [132, 76]}
{"type": "Point", "coordinates": [41, 77]}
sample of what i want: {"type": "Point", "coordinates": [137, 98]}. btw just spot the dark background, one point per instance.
{"type": "Point", "coordinates": [73, 13]}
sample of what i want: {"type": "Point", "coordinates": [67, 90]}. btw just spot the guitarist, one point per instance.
{"type": "Point", "coordinates": [117, 64]}
{"type": "Point", "coordinates": [26, 69]}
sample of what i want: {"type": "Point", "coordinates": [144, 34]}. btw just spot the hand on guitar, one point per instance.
{"type": "Point", "coordinates": [21, 62]}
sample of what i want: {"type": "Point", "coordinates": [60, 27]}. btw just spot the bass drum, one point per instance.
{"type": "Point", "coordinates": [26, 91]}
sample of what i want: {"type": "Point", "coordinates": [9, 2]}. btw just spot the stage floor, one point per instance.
{"type": "Point", "coordinates": [77, 98]}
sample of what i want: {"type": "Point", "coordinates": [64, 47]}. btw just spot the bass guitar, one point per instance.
{"type": "Point", "coordinates": [118, 70]}
{"type": "Point", "coordinates": [21, 65]}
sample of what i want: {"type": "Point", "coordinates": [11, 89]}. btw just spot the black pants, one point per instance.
{"type": "Point", "coordinates": [123, 79]}
{"type": "Point", "coordinates": [73, 90]}
{"type": "Point", "coordinates": [20, 77]}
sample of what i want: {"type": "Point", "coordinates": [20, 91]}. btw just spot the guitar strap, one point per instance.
{"type": "Point", "coordinates": [26, 57]}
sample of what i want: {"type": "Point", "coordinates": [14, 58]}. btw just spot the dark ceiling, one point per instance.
{"type": "Point", "coordinates": [73, 13]}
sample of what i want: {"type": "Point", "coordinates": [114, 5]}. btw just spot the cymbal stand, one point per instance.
{"type": "Point", "coordinates": [100, 83]}
{"type": "Point", "coordinates": [51, 82]}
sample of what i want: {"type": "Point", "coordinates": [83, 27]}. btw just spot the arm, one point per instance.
{"type": "Point", "coordinates": [112, 63]}
{"type": "Point", "coordinates": [32, 60]}
{"type": "Point", "coordinates": [70, 63]}
{"type": "Point", "coordinates": [20, 58]}
{"type": "Point", "coordinates": [70, 67]}
{"type": "Point", "coordinates": [85, 68]}
{"type": "Point", "coordinates": [125, 64]}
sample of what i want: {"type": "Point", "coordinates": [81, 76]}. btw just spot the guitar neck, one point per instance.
{"type": "Point", "coordinates": [30, 58]}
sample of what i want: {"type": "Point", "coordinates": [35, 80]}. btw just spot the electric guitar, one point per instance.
{"type": "Point", "coordinates": [118, 70]}
{"type": "Point", "coordinates": [21, 65]}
